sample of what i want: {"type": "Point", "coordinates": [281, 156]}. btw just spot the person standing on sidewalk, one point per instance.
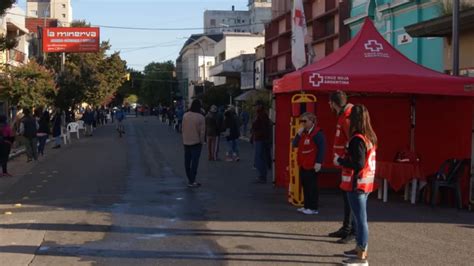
{"type": "Point", "coordinates": [311, 144]}
{"type": "Point", "coordinates": [194, 127]}
{"type": "Point", "coordinates": [6, 141]}
{"type": "Point", "coordinates": [358, 178]}
{"type": "Point", "coordinates": [244, 118]}
{"type": "Point", "coordinates": [29, 129]}
{"type": "Point", "coordinates": [211, 132]}
{"type": "Point", "coordinates": [88, 118]}
{"type": "Point", "coordinates": [43, 130]}
{"type": "Point", "coordinates": [57, 121]}
{"type": "Point", "coordinates": [261, 139]}
{"type": "Point", "coordinates": [232, 134]}
{"type": "Point", "coordinates": [338, 104]}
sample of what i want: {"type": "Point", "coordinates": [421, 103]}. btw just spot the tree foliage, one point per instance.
{"type": "Point", "coordinates": [219, 95]}
{"type": "Point", "coordinates": [159, 84]}
{"type": "Point", "coordinates": [129, 87]}
{"type": "Point", "coordinates": [30, 85]}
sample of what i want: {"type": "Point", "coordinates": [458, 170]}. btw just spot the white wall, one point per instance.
{"type": "Point", "coordinates": [237, 45]}
{"type": "Point", "coordinates": [58, 9]}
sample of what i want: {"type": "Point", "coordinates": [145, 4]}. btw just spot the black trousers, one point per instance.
{"type": "Point", "coordinates": [4, 154]}
{"type": "Point", "coordinates": [348, 223]}
{"type": "Point", "coordinates": [192, 153]}
{"type": "Point", "coordinates": [309, 180]}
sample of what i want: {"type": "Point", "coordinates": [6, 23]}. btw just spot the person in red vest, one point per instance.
{"type": "Point", "coordinates": [358, 178]}
{"type": "Point", "coordinates": [311, 145]}
{"type": "Point", "coordinates": [338, 104]}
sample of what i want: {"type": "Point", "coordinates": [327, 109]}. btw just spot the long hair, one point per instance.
{"type": "Point", "coordinates": [195, 106]}
{"type": "Point", "coordinates": [360, 123]}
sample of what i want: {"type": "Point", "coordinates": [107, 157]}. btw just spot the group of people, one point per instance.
{"type": "Point", "coordinates": [199, 128]}
{"type": "Point", "coordinates": [354, 151]}
{"type": "Point", "coordinates": [94, 117]}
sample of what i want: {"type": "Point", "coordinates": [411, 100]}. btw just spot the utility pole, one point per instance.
{"type": "Point", "coordinates": [455, 38]}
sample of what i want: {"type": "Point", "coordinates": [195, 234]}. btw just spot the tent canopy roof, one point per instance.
{"type": "Point", "coordinates": [368, 63]}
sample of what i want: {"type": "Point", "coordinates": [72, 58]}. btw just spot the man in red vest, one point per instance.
{"type": "Point", "coordinates": [311, 145]}
{"type": "Point", "coordinates": [338, 104]}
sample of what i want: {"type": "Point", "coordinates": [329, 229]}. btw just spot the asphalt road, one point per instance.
{"type": "Point", "coordinates": [106, 200]}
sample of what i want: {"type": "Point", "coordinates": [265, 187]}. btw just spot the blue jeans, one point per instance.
{"type": "Point", "coordinates": [233, 148]}
{"type": "Point", "coordinates": [261, 159]}
{"type": "Point", "coordinates": [358, 202]}
{"type": "Point", "coordinates": [192, 153]}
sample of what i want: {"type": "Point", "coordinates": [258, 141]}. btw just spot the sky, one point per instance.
{"type": "Point", "coordinates": [134, 45]}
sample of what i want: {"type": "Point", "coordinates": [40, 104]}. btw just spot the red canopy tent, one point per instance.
{"type": "Point", "coordinates": [394, 89]}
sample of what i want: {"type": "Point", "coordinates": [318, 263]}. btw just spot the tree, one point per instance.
{"type": "Point", "coordinates": [219, 95]}
{"type": "Point", "coordinates": [159, 84]}
{"type": "Point", "coordinates": [129, 87]}
{"type": "Point", "coordinates": [30, 85]}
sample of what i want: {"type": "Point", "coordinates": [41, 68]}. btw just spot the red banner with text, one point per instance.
{"type": "Point", "coordinates": [71, 40]}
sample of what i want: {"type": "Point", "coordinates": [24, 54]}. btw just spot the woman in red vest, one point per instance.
{"type": "Point", "coordinates": [358, 178]}
{"type": "Point", "coordinates": [311, 145]}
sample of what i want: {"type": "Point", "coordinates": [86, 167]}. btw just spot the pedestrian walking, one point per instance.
{"type": "Point", "coordinates": [261, 139]}
{"type": "Point", "coordinates": [57, 123]}
{"type": "Point", "coordinates": [179, 118]}
{"type": "Point", "coordinates": [212, 131]}
{"type": "Point", "coordinates": [88, 118]}
{"type": "Point", "coordinates": [194, 126]}
{"type": "Point", "coordinates": [232, 134]}
{"type": "Point", "coordinates": [29, 129]}
{"type": "Point", "coordinates": [6, 142]}
{"type": "Point", "coordinates": [220, 129]}
{"type": "Point", "coordinates": [311, 144]}
{"type": "Point", "coordinates": [43, 129]}
{"type": "Point", "coordinates": [245, 119]}
{"type": "Point", "coordinates": [339, 105]}
{"type": "Point", "coordinates": [358, 178]}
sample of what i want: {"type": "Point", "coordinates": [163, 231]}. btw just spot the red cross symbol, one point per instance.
{"type": "Point", "coordinates": [316, 79]}
{"type": "Point", "coordinates": [373, 46]}
{"type": "Point", "coordinates": [299, 17]}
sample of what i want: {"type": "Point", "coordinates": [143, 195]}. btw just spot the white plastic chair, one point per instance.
{"type": "Point", "coordinates": [66, 137]}
{"type": "Point", "coordinates": [73, 128]}
{"type": "Point", "coordinates": [81, 125]}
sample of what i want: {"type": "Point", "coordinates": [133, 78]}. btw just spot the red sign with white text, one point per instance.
{"type": "Point", "coordinates": [71, 40]}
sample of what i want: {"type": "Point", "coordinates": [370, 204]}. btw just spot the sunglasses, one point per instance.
{"type": "Point", "coordinates": [303, 121]}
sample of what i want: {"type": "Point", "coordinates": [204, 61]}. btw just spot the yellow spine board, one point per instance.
{"type": "Point", "coordinates": [295, 190]}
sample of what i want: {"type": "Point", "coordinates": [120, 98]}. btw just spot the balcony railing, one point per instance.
{"type": "Point", "coordinates": [17, 56]}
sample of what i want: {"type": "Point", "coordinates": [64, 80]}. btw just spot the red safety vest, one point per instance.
{"type": "Point", "coordinates": [342, 130]}
{"type": "Point", "coordinates": [367, 174]}
{"type": "Point", "coordinates": [307, 150]}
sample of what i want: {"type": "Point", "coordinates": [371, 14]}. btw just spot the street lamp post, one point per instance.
{"type": "Point", "coordinates": [455, 38]}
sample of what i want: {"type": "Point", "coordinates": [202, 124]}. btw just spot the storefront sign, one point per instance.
{"type": "Point", "coordinates": [71, 40]}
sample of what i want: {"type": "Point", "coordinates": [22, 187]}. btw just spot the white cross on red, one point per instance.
{"type": "Point", "coordinates": [316, 79]}
{"type": "Point", "coordinates": [373, 46]}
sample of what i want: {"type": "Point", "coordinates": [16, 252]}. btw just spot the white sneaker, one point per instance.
{"type": "Point", "coordinates": [302, 209]}
{"type": "Point", "coordinates": [310, 212]}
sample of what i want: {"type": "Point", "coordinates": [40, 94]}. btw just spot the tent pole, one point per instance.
{"type": "Point", "coordinates": [413, 123]}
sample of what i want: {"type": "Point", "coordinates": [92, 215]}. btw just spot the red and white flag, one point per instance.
{"type": "Point", "coordinates": [299, 32]}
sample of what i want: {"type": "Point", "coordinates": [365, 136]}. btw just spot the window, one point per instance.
{"type": "Point", "coordinates": [64, 15]}
{"type": "Point", "coordinates": [243, 20]}
{"type": "Point", "coordinates": [64, 5]}
{"type": "Point", "coordinates": [213, 22]}
{"type": "Point", "coordinates": [34, 12]}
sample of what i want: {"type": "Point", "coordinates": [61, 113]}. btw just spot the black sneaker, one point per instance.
{"type": "Point", "coordinates": [351, 253]}
{"type": "Point", "coordinates": [346, 240]}
{"type": "Point", "coordinates": [339, 234]}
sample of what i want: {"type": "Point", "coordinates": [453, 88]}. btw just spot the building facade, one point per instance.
{"type": "Point", "coordinates": [193, 63]}
{"type": "Point", "coordinates": [326, 33]}
{"type": "Point", "coordinates": [55, 9]}
{"type": "Point", "coordinates": [229, 56]}
{"type": "Point", "coordinates": [251, 20]}
{"type": "Point", "coordinates": [392, 16]}
{"type": "Point", "coordinates": [442, 27]}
